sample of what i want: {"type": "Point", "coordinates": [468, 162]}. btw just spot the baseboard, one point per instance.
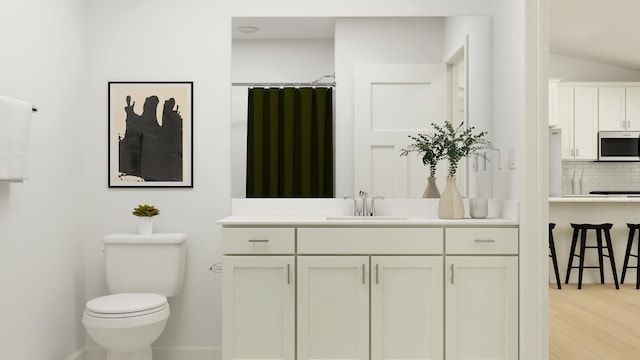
{"type": "Point", "coordinates": [78, 355]}
{"type": "Point", "coordinates": [164, 353]}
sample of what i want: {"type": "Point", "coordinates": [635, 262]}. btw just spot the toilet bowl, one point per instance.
{"type": "Point", "coordinates": [126, 324]}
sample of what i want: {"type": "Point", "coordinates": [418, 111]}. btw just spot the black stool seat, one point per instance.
{"type": "Point", "coordinates": [632, 230]}
{"type": "Point", "coordinates": [580, 230]}
{"type": "Point", "coordinates": [552, 253]}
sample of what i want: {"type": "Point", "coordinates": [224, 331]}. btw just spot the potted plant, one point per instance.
{"type": "Point", "coordinates": [431, 148]}
{"type": "Point", "coordinates": [458, 143]}
{"type": "Point", "coordinates": [145, 214]}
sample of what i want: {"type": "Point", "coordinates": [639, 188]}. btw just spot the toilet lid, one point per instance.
{"type": "Point", "coordinates": [125, 303]}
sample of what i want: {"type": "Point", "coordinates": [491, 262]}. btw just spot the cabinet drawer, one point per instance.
{"type": "Point", "coordinates": [481, 241]}
{"type": "Point", "coordinates": [258, 240]}
{"type": "Point", "coordinates": [370, 241]}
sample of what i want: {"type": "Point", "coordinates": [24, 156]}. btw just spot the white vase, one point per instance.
{"type": "Point", "coordinates": [431, 191]}
{"type": "Point", "coordinates": [145, 225]}
{"type": "Point", "coordinates": [450, 205]}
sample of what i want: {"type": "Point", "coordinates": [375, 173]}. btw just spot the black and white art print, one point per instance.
{"type": "Point", "coordinates": [150, 134]}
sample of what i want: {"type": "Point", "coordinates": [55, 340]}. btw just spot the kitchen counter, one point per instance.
{"type": "Point", "coordinates": [595, 199]}
{"type": "Point", "coordinates": [360, 221]}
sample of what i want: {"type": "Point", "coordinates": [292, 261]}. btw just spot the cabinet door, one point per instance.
{"type": "Point", "coordinates": [565, 119]}
{"type": "Point", "coordinates": [333, 307]}
{"type": "Point", "coordinates": [259, 307]}
{"type": "Point", "coordinates": [611, 108]}
{"type": "Point", "coordinates": [585, 123]}
{"type": "Point", "coordinates": [481, 302]}
{"type": "Point", "coordinates": [406, 307]}
{"type": "Point", "coordinates": [633, 108]}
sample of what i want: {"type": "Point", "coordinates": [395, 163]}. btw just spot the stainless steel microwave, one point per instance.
{"type": "Point", "coordinates": [619, 146]}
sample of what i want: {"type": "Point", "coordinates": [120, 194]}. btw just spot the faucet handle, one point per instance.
{"type": "Point", "coordinates": [373, 204]}
{"type": "Point", "coordinates": [355, 204]}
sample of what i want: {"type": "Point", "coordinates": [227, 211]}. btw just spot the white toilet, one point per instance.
{"type": "Point", "coordinates": [141, 272]}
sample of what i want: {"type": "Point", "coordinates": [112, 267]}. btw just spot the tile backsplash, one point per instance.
{"type": "Point", "coordinates": [599, 176]}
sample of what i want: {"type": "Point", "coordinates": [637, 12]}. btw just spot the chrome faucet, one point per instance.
{"type": "Point", "coordinates": [363, 196]}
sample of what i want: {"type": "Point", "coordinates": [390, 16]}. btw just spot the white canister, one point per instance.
{"type": "Point", "coordinates": [478, 208]}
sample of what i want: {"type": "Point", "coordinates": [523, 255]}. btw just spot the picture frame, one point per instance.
{"type": "Point", "coordinates": [150, 134]}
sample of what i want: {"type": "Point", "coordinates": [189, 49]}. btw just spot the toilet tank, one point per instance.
{"type": "Point", "coordinates": [152, 263]}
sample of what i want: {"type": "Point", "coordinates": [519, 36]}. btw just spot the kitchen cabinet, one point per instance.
{"type": "Point", "coordinates": [370, 292]}
{"type": "Point", "coordinates": [619, 108]}
{"type": "Point", "coordinates": [578, 118]}
{"type": "Point", "coordinates": [553, 102]}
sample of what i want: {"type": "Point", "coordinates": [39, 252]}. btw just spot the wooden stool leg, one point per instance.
{"type": "Point", "coordinates": [607, 235]}
{"type": "Point", "coordinates": [574, 240]}
{"type": "Point", "coordinates": [627, 255]}
{"type": "Point", "coordinates": [600, 255]}
{"type": "Point", "coordinates": [554, 258]}
{"type": "Point", "coordinates": [583, 243]}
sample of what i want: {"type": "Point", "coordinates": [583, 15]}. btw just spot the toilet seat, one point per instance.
{"type": "Point", "coordinates": [126, 305]}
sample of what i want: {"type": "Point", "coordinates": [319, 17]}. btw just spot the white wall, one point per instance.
{"type": "Point", "coordinates": [570, 68]}
{"type": "Point", "coordinates": [42, 219]}
{"type": "Point", "coordinates": [41, 265]}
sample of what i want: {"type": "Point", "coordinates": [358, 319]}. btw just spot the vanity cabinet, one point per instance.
{"type": "Point", "coordinates": [370, 293]}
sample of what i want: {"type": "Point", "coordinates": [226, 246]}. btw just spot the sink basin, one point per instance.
{"type": "Point", "coordinates": [366, 218]}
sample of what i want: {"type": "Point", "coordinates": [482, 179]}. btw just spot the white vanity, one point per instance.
{"type": "Point", "coordinates": [307, 288]}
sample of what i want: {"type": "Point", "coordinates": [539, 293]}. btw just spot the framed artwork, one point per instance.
{"type": "Point", "coordinates": [150, 134]}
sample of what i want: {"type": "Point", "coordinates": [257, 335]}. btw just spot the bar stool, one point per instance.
{"type": "Point", "coordinates": [552, 253]}
{"type": "Point", "coordinates": [632, 231]}
{"type": "Point", "coordinates": [581, 230]}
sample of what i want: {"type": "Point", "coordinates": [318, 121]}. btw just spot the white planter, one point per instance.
{"type": "Point", "coordinates": [450, 205]}
{"type": "Point", "coordinates": [145, 225]}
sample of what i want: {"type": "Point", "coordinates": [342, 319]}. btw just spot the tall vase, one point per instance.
{"type": "Point", "coordinates": [450, 205]}
{"type": "Point", "coordinates": [431, 191]}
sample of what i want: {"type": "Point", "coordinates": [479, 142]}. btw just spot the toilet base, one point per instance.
{"type": "Point", "coordinates": [144, 354]}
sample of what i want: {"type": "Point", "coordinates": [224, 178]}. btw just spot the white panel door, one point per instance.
{"type": "Point", "coordinates": [585, 135]}
{"type": "Point", "coordinates": [392, 102]}
{"type": "Point", "coordinates": [633, 108]}
{"type": "Point", "coordinates": [565, 120]}
{"type": "Point", "coordinates": [407, 309]}
{"type": "Point", "coordinates": [259, 307]}
{"type": "Point", "coordinates": [611, 109]}
{"type": "Point", "coordinates": [481, 302]}
{"type": "Point", "coordinates": [333, 308]}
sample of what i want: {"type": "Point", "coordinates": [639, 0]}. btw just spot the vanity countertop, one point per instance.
{"type": "Point", "coordinates": [357, 221]}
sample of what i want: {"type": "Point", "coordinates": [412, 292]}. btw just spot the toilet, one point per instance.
{"type": "Point", "coordinates": [141, 272]}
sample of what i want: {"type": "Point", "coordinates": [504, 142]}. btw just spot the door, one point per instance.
{"type": "Point", "coordinates": [633, 108]}
{"type": "Point", "coordinates": [333, 308]}
{"type": "Point", "coordinates": [481, 302]}
{"type": "Point", "coordinates": [611, 109]}
{"type": "Point", "coordinates": [586, 123]}
{"type": "Point", "coordinates": [391, 102]}
{"type": "Point", "coordinates": [258, 301]}
{"type": "Point", "coordinates": [406, 307]}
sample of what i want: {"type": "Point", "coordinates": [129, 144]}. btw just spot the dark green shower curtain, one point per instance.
{"type": "Point", "coordinates": [290, 142]}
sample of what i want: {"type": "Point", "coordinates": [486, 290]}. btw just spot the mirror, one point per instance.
{"type": "Point", "coordinates": [302, 50]}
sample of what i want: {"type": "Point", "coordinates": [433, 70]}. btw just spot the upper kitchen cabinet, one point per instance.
{"type": "Point", "coordinates": [619, 108]}
{"type": "Point", "coordinates": [553, 102]}
{"type": "Point", "coordinates": [578, 118]}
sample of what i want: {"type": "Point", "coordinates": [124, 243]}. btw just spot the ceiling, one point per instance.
{"type": "Point", "coordinates": [285, 28]}
{"type": "Point", "coordinates": [596, 30]}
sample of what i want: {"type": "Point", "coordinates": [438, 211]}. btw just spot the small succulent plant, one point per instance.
{"type": "Point", "coordinates": [146, 210]}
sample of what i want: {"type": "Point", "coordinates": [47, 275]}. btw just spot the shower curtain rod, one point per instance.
{"type": "Point", "coordinates": [281, 84]}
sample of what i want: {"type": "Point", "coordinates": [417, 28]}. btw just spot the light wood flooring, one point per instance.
{"type": "Point", "coordinates": [597, 322]}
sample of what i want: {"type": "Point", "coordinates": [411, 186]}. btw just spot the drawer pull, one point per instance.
{"type": "Point", "coordinates": [377, 272]}
{"type": "Point", "coordinates": [363, 283]}
{"type": "Point", "coordinates": [258, 240]}
{"type": "Point", "coordinates": [451, 274]}
{"type": "Point", "coordinates": [288, 274]}
{"type": "Point", "coordinates": [485, 240]}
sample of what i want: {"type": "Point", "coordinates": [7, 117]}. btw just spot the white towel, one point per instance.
{"type": "Point", "coordinates": [15, 125]}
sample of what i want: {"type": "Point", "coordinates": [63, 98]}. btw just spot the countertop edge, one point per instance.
{"type": "Point", "coordinates": [322, 221]}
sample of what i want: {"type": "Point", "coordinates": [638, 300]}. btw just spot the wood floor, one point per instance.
{"type": "Point", "coordinates": [597, 322]}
